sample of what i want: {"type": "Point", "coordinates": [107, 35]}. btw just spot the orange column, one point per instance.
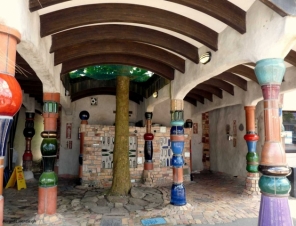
{"type": "Point", "coordinates": [47, 192]}
{"type": "Point", "coordinates": [10, 94]}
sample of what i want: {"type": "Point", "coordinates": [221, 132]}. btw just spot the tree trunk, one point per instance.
{"type": "Point", "coordinates": [121, 183]}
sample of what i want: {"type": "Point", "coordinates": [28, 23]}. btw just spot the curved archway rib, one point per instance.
{"type": "Point", "coordinates": [202, 93]}
{"type": "Point", "coordinates": [115, 12]}
{"type": "Point", "coordinates": [190, 100]}
{"type": "Point", "coordinates": [235, 79]}
{"type": "Point", "coordinates": [118, 47]}
{"type": "Point", "coordinates": [222, 10]}
{"type": "Point", "coordinates": [214, 90]}
{"type": "Point", "coordinates": [221, 84]}
{"type": "Point", "coordinates": [195, 97]}
{"type": "Point", "coordinates": [39, 4]}
{"type": "Point", "coordinates": [124, 32]}
{"type": "Point", "coordinates": [142, 62]}
{"type": "Point", "coordinates": [291, 58]}
{"type": "Point", "coordinates": [244, 71]}
{"type": "Point", "coordinates": [104, 91]}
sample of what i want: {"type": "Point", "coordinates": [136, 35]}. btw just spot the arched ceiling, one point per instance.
{"type": "Point", "coordinates": [155, 35]}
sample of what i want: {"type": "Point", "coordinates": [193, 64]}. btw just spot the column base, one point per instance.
{"type": "Point", "coordinates": [147, 178]}
{"type": "Point", "coordinates": [274, 211]}
{"type": "Point", "coordinates": [47, 200]}
{"type": "Point", "coordinates": [178, 195]}
{"type": "Point", "coordinates": [1, 209]}
{"type": "Point", "coordinates": [252, 186]}
{"type": "Point", "coordinates": [148, 165]}
{"type": "Point", "coordinates": [45, 219]}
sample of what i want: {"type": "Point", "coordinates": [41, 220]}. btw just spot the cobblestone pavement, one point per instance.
{"type": "Point", "coordinates": [211, 199]}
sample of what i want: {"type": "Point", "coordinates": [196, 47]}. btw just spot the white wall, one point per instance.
{"type": "Point", "coordinates": [223, 156]}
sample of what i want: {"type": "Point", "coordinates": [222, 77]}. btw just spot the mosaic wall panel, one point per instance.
{"type": "Point", "coordinates": [108, 147]}
{"type": "Point", "coordinates": [166, 153]}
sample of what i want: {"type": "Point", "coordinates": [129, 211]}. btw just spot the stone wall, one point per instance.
{"type": "Point", "coordinates": [94, 175]}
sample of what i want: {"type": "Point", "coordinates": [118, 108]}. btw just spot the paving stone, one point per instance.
{"type": "Point", "coordinates": [102, 202]}
{"type": "Point", "coordinates": [157, 198]}
{"type": "Point", "coordinates": [75, 202]}
{"type": "Point", "coordinates": [89, 199]}
{"type": "Point", "coordinates": [90, 205]}
{"type": "Point", "coordinates": [119, 199]}
{"type": "Point", "coordinates": [111, 222]}
{"type": "Point", "coordinates": [119, 210]}
{"type": "Point", "coordinates": [100, 209]}
{"type": "Point", "coordinates": [138, 202]}
{"type": "Point", "coordinates": [132, 208]}
{"type": "Point", "coordinates": [90, 194]}
{"type": "Point", "coordinates": [137, 193]}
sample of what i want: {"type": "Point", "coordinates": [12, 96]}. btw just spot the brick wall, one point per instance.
{"type": "Point", "coordinates": [94, 175]}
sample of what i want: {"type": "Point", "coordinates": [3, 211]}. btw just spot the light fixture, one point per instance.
{"type": "Point", "coordinates": [67, 93]}
{"type": "Point", "coordinates": [205, 58]}
{"type": "Point", "coordinates": [155, 94]}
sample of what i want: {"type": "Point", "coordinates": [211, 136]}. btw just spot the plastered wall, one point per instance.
{"type": "Point", "coordinates": [224, 157]}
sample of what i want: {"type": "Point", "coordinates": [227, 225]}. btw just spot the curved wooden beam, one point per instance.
{"type": "Point", "coordinates": [39, 4]}
{"type": "Point", "coordinates": [142, 62]}
{"type": "Point", "coordinates": [244, 71]}
{"type": "Point", "coordinates": [116, 12]}
{"type": "Point", "coordinates": [214, 90]}
{"type": "Point", "coordinates": [202, 93]}
{"type": "Point", "coordinates": [234, 79]}
{"type": "Point", "coordinates": [190, 100]}
{"type": "Point", "coordinates": [104, 91]}
{"type": "Point", "coordinates": [116, 47]}
{"type": "Point", "coordinates": [221, 84]}
{"type": "Point", "coordinates": [291, 58]}
{"type": "Point", "coordinates": [222, 10]}
{"type": "Point", "coordinates": [127, 33]}
{"type": "Point", "coordinates": [195, 97]}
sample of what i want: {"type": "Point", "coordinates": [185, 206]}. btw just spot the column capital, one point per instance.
{"type": "Point", "coordinates": [10, 31]}
{"type": "Point", "coordinates": [270, 71]}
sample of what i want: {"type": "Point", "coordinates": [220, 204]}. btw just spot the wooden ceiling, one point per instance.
{"type": "Point", "coordinates": [81, 38]}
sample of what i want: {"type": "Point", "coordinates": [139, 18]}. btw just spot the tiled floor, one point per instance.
{"type": "Point", "coordinates": [211, 199]}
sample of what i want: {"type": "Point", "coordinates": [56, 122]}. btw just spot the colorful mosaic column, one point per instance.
{"type": "Point", "coordinates": [252, 157]}
{"type": "Point", "coordinates": [47, 194]}
{"type": "Point", "coordinates": [84, 116]}
{"type": "Point", "coordinates": [275, 187]}
{"type": "Point", "coordinates": [28, 132]}
{"type": "Point", "coordinates": [148, 148]}
{"type": "Point", "coordinates": [10, 94]}
{"type": "Point", "coordinates": [178, 196]}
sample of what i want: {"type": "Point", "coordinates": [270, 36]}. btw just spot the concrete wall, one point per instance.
{"type": "Point", "coordinates": [223, 156]}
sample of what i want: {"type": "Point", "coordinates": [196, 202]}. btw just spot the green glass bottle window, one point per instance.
{"type": "Point", "coordinates": [108, 72]}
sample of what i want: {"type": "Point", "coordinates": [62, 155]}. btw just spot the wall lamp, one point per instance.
{"type": "Point", "coordinates": [155, 94]}
{"type": "Point", "coordinates": [205, 58]}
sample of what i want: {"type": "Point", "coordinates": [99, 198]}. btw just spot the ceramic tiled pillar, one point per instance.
{"type": "Point", "coordinates": [10, 94]}
{"type": "Point", "coordinates": [47, 193]}
{"type": "Point", "coordinates": [84, 116]}
{"type": "Point", "coordinates": [28, 132]}
{"type": "Point", "coordinates": [178, 195]}
{"type": "Point", "coordinates": [148, 137]}
{"type": "Point", "coordinates": [252, 157]}
{"type": "Point", "coordinates": [275, 187]}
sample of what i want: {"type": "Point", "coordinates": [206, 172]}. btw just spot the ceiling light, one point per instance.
{"type": "Point", "coordinates": [205, 58]}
